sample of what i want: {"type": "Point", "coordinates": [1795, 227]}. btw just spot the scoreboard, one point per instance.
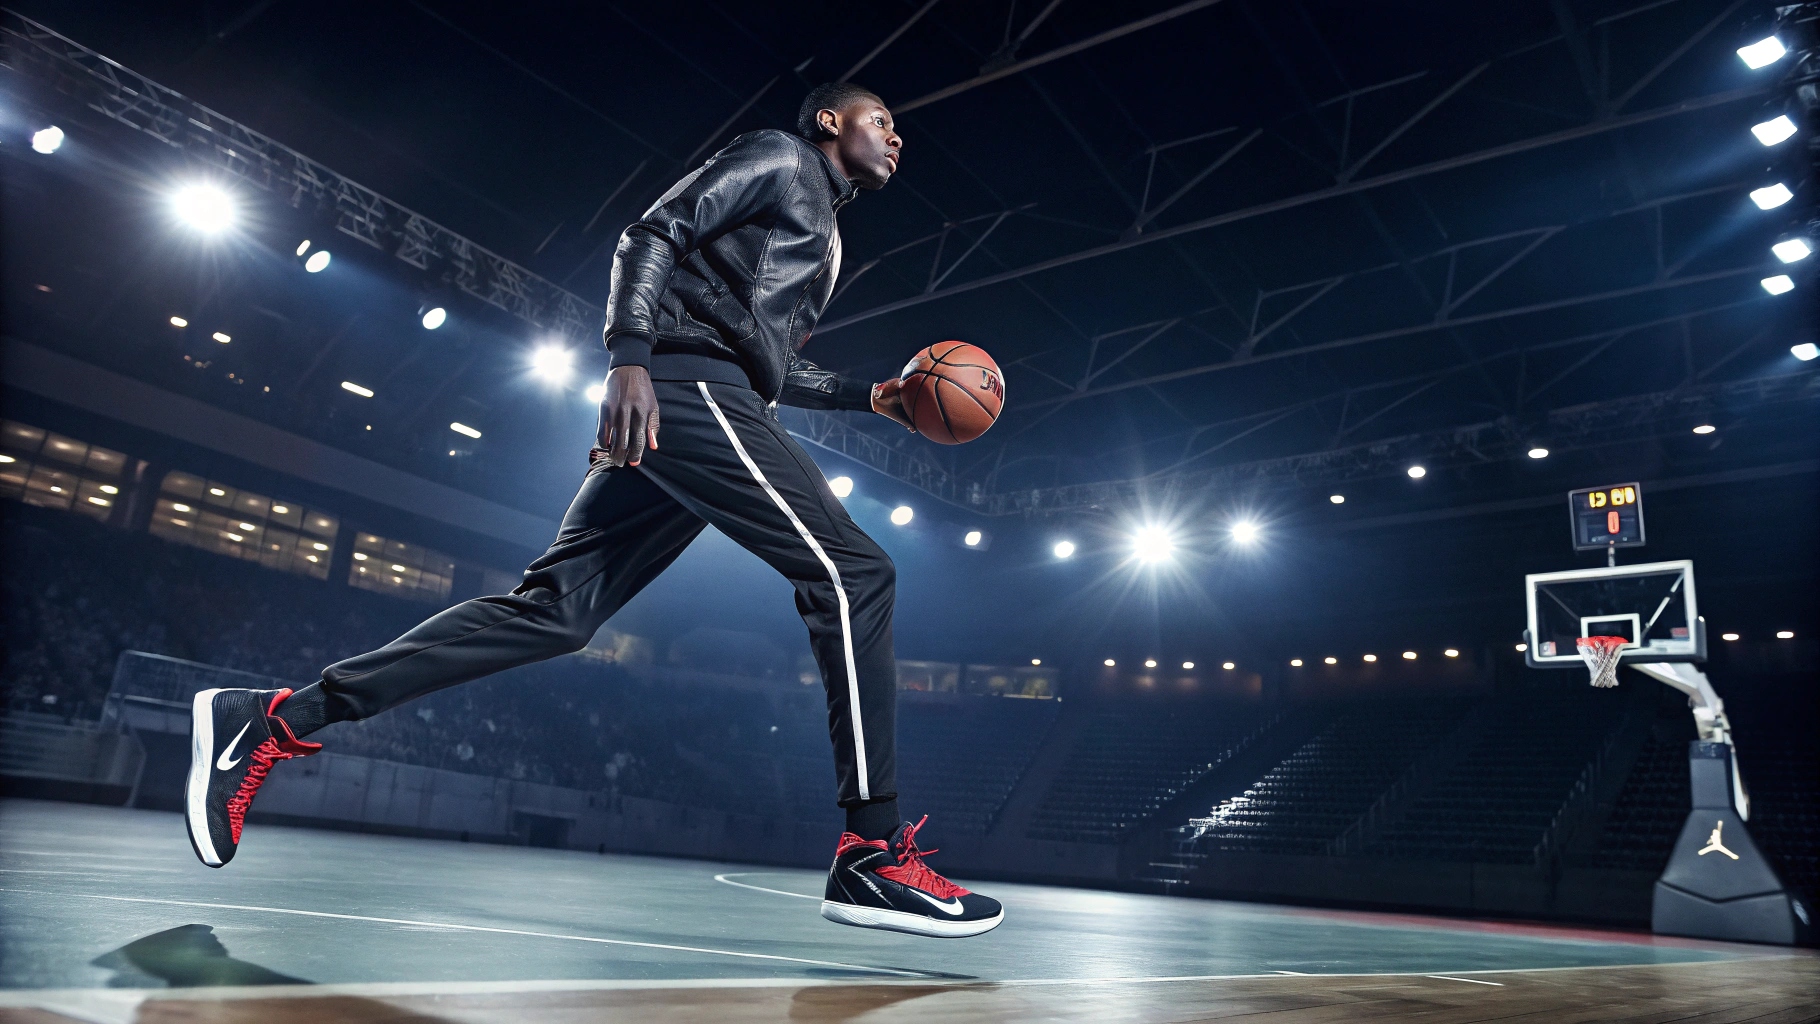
{"type": "Point", "coordinates": [1607, 517]}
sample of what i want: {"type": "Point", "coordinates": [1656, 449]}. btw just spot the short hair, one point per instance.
{"type": "Point", "coordinates": [827, 96]}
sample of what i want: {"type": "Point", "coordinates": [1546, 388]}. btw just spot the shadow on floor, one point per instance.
{"type": "Point", "coordinates": [188, 956]}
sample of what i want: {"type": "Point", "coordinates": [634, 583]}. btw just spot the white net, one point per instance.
{"type": "Point", "coordinates": [1601, 654]}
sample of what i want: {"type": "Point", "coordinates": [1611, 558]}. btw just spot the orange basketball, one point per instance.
{"type": "Point", "coordinates": [953, 392]}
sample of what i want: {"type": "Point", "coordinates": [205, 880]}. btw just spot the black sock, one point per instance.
{"type": "Point", "coordinates": [876, 820]}
{"type": "Point", "coordinates": [309, 709]}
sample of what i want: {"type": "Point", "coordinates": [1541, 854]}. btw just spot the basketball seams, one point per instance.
{"type": "Point", "coordinates": [942, 410]}
{"type": "Point", "coordinates": [935, 360]}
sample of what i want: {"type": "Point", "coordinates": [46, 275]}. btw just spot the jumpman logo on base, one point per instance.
{"type": "Point", "coordinates": [1714, 844]}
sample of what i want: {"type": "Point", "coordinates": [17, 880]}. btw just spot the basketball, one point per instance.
{"type": "Point", "coordinates": [953, 392]}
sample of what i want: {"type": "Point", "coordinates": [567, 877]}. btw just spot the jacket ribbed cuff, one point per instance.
{"type": "Point", "coordinates": [854, 394]}
{"type": "Point", "coordinates": [629, 348]}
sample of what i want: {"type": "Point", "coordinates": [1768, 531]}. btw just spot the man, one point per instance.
{"type": "Point", "coordinates": [713, 292]}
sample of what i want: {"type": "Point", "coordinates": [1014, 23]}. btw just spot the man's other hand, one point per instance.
{"type": "Point", "coordinates": [888, 401]}
{"type": "Point", "coordinates": [628, 416]}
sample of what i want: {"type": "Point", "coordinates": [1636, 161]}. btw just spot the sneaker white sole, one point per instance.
{"type": "Point", "coordinates": [914, 924]}
{"type": "Point", "coordinates": [196, 787]}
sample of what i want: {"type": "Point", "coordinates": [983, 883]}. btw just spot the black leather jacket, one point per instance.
{"type": "Point", "coordinates": [724, 278]}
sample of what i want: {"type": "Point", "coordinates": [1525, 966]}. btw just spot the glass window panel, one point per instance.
{"type": "Point", "coordinates": [103, 460]}
{"type": "Point", "coordinates": [64, 449]}
{"type": "Point", "coordinates": [20, 437]}
{"type": "Point", "coordinates": [182, 484]}
{"type": "Point", "coordinates": [252, 504]}
{"type": "Point", "coordinates": [12, 477]}
{"type": "Point", "coordinates": [218, 494]}
{"type": "Point", "coordinates": [50, 488]}
{"type": "Point", "coordinates": [287, 513]}
{"type": "Point", "coordinates": [321, 525]}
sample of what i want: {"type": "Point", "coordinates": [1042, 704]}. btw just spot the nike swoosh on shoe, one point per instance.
{"type": "Point", "coordinates": [953, 909]}
{"type": "Point", "coordinates": [222, 763]}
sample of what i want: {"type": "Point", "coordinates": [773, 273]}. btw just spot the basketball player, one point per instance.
{"type": "Point", "coordinates": [713, 292]}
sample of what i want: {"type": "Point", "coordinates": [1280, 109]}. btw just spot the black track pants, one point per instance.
{"type": "Point", "coordinates": [724, 461]}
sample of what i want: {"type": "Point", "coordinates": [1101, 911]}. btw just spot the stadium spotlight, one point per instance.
{"type": "Point", "coordinates": [1371, 657]}
{"type": "Point", "coordinates": [222, 337]}
{"type": "Point", "coordinates": [1785, 634]}
{"type": "Point", "coordinates": [841, 486]}
{"type": "Point", "coordinates": [1337, 499]}
{"type": "Point", "coordinates": [1705, 428]}
{"type": "Point", "coordinates": [303, 247]}
{"type": "Point", "coordinates": [1805, 351]}
{"type": "Point", "coordinates": [1409, 655]}
{"type": "Point", "coordinates": [596, 392]}
{"type": "Point", "coordinates": [205, 208]}
{"type": "Point", "coordinates": [1762, 53]}
{"type": "Point", "coordinates": [1228, 666]}
{"type": "Point", "coordinates": [434, 317]}
{"type": "Point", "coordinates": [1538, 452]}
{"type": "Point", "coordinates": [1771, 196]}
{"type": "Point", "coordinates": [1776, 129]}
{"type": "Point", "coordinates": [553, 363]}
{"type": "Point", "coordinates": [1417, 472]}
{"type": "Point", "coordinates": [1728, 636]}
{"type": "Point", "coordinates": [973, 538]}
{"type": "Point", "coordinates": [1295, 663]}
{"type": "Point", "coordinates": [1792, 250]}
{"type": "Point", "coordinates": [1110, 663]}
{"type": "Point", "coordinates": [1522, 647]}
{"type": "Point", "coordinates": [47, 140]}
{"type": "Point", "coordinates": [1188, 664]}
{"type": "Point", "coordinates": [1152, 544]}
{"type": "Point", "coordinates": [318, 261]}
{"type": "Point", "coordinates": [1036, 661]}
{"type": "Point", "coordinates": [1245, 531]}
{"type": "Point", "coordinates": [901, 515]}
{"type": "Point", "coordinates": [1064, 549]}
{"type": "Point", "coordinates": [1149, 662]}
{"type": "Point", "coordinates": [464, 429]}
{"type": "Point", "coordinates": [1778, 284]}
{"type": "Point", "coordinates": [1451, 652]}
{"type": "Point", "coordinates": [348, 385]}
{"type": "Point", "coordinates": [1331, 660]}
{"type": "Point", "coordinates": [178, 321]}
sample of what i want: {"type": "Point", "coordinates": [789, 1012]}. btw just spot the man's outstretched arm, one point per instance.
{"type": "Point", "coordinates": [808, 386]}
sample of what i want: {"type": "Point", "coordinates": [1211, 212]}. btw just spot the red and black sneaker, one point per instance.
{"type": "Point", "coordinates": [885, 884]}
{"type": "Point", "coordinates": [235, 739]}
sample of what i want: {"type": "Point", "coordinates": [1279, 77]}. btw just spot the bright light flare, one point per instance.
{"type": "Point", "coordinates": [221, 337]}
{"type": "Point", "coordinates": [596, 392]}
{"type": "Point", "coordinates": [47, 140]}
{"type": "Point", "coordinates": [1705, 428]}
{"type": "Point", "coordinates": [1064, 549]}
{"type": "Point", "coordinates": [208, 209]}
{"type": "Point", "coordinates": [1785, 634]}
{"type": "Point", "coordinates": [1295, 663]}
{"type": "Point", "coordinates": [1371, 657]}
{"type": "Point", "coordinates": [318, 261]}
{"type": "Point", "coordinates": [1152, 544]}
{"type": "Point", "coordinates": [178, 321]}
{"type": "Point", "coordinates": [1330, 660]}
{"type": "Point", "coordinates": [1452, 652]}
{"type": "Point", "coordinates": [901, 515]}
{"type": "Point", "coordinates": [1409, 655]}
{"type": "Point", "coordinates": [841, 486]}
{"type": "Point", "coordinates": [1792, 250]}
{"type": "Point", "coordinates": [350, 386]}
{"type": "Point", "coordinates": [1728, 636]}
{"type": "Point", "coordinates": [434, 317]}
{"type": "Point", "coordinates": [1337, 499]}
{"type": "Point", "coordinates": [1417, 472]}
{"type": "Point", "coordinates": [1188, 665]}
{"type": "Point", "coordinates": [1245, 531]}
{"type": "Point", "coordinates": [465, 430]}
{"type": "Point", "coordinates": [1771, 196]}
{"type": "Point", "coordinates": [1776, 129]}
{"type": "Point", "coordinates": [552, 363]}
{"type": "Point", "coordinates": [1778, 284]}
{"type": "Point", "coordinates": [1538, 452]}
{"type": "Point", "coordinates": [973, 538]}
{"type": "Point", "coordinates": [1149, 662]}
{"type": "Point", "coordinates": [1762, 53]}
{"type": "Point", "coordinates": [1806, 351]}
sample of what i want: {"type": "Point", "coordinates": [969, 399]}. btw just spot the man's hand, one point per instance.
{"type": "Point", "coordinates": [628, 416]}
{"type": "Point", "coordinates": [888, 401]}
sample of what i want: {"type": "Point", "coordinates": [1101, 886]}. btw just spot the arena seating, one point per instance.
{"type": "Point", "coordinates": [1318, 792]}
{"type": "Point", "coordinates": [1131, 760]}
{"type": "Point", "coordinates": [1497, 801]}
{"type": "Point", "coordinates": [1651, 807]}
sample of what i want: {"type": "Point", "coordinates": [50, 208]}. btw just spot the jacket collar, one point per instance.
{"type": "Point", "coordinates": [844, 190]}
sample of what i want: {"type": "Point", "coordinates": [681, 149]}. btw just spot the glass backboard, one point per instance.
{"type": "Point", "coordinates": [1652, 606]}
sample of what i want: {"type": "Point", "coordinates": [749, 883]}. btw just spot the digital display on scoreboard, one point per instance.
{"type": "Point", "coordinates": [1607, 517]}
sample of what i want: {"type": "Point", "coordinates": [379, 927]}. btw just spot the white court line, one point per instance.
{"type": "Point", "coordinates": [477, 928]}
{"type": "Point", "coordinates": [1299, 974]}
{"type": "Point", "coordinates": [728, 877]}
{"type": "Point", "coordinates": [1469, 981]}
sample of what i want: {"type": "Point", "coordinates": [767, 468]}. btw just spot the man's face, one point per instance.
{"type": "Point", "coordinates": [867, 144]}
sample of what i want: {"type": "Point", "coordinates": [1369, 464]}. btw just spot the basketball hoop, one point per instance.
{"type": "Point", "coordinates": [1601, 655]}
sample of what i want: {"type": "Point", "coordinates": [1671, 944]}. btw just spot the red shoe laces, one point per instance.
{"type": "Point", "coordinates": [910, 869]}
{"type": "Point", "coordinates": [263, 757]}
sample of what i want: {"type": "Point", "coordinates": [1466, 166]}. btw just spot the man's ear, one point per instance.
{"type": "Point", "coordinates": [829, 121]}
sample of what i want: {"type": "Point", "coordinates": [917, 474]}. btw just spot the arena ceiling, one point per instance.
{"type": "Point", "coordinates": [1214, 244]}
